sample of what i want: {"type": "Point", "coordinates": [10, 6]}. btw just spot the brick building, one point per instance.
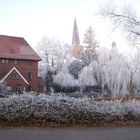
{"type": "Point", "coordinates": [19, 65]}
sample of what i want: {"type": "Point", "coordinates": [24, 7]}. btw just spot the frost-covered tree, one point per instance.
{"type": "Point", "coordinates": [53, 52]}
{"type": "Point", "coordinates": [134, 68]}
{"type": "Point", "coordinates": [124, 18]}
{"type": "Point", "coordinates": [128, 21]}
{"type": "Point", "coordinates": [75, 68]}
{"type": "Point", "coordinates": [111, 72]}
{"type": "Point", "coordinates": [90, 44]}
{"type": "Point", "coordinates": [86, 77]}
{"type": "Point", "coordinates": [49, 80]}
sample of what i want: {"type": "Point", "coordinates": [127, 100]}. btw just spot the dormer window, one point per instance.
{"type": "Point", "coordinates": [16, 62]}
{"type": "Point", "coordinates": [14, 76]}
{"type": "Point", "coordinates": [29, 62]}
{"type": "Point", "coordinates": [3, 61]}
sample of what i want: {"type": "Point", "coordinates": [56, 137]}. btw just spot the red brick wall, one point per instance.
{"type": "Point", "coordinates": [24, 68]}
{"type": "Point", "coordinates": [15, 82]}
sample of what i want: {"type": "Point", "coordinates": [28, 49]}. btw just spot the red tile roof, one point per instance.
{"type": "Point", "coordinates": [16, 48]}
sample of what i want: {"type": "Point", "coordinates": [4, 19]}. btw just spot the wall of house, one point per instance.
{"type": "Point", "coordinates": [13, 83]}
{"type": "Point", "coordinates": [24, 67]}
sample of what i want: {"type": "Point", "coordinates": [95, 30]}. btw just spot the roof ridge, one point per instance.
{"type": "Point", "coordinates": [11, 36]}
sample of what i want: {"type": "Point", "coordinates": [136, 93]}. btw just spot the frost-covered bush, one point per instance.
{"type": "Point", "coordinates": [75, 68]}
{"type": "Point", "coordinates": [86, 77]}
{"type": "Point", "coordinates": [65, 79]}
{"type": "Point", "coordinates": [2, 86]}
{"type": "Point", "coordinates": [66, 89]}
{"type": "Point", "coordinates": [63, 109]}
{"type": "Point", "coordinates": [65, 82]}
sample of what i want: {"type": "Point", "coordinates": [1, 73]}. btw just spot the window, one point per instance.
{"type": "Point", "coordinates": [4, 61]}
{"type": "Point", "coordinates": [14, 76]}
{"type": "Point", "coordinates": [9, 88]}
{"type": "Point", "coordinates": [16, 62]}
{"type": "Point", "coordinates": [29, 62]}
{"type": "Point", "coordinates": [18, 87]}
{"type": "Point", "coordinates": [29, 76]}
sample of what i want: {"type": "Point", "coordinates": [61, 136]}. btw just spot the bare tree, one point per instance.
{"type": "Point", "coordinates": [126, 19]}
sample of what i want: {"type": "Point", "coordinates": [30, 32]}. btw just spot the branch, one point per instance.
{"type": "Point", "coordinates": [134, 32]}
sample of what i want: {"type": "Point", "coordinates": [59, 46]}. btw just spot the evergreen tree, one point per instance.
{"type": "Point", "coordinates": [90, 46]}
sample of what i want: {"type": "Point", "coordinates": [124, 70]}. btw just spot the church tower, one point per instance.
{"type": "Point", "coordinates": [75, 37]}
{"type": "Point", "coordinates": [76, 48]}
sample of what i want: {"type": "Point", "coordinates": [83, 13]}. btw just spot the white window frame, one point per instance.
{"type": "Point", "coordinates": [8, 87]}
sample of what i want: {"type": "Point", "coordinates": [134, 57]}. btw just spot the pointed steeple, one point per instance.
{"type": "Point", "coordinates": [75, 37]}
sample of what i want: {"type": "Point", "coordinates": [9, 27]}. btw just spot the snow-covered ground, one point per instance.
{"type": "Point", "coordinates": [63, 109]}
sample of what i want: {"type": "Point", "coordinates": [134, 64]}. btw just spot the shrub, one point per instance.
{"type": "Point", "coordinates": [63, 109]}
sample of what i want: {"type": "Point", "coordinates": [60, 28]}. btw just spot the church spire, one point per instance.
{"type": "Point", "coordinates": [75, 37]}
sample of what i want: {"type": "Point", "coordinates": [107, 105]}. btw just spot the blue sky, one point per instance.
{"type": "Point", "coordinates": [33, 19]}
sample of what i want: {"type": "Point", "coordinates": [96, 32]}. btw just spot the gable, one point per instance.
{"type": "Point", "coordinates": [8, 74]}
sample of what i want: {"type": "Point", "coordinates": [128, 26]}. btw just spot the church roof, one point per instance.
{"type": "Point", "coordinates": [16, 48]}
{"type": "Point", "coordinates": [75, 37]}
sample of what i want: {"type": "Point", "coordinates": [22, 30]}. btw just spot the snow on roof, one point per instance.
{"type": "Point", "coordinates": [16, 48]}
